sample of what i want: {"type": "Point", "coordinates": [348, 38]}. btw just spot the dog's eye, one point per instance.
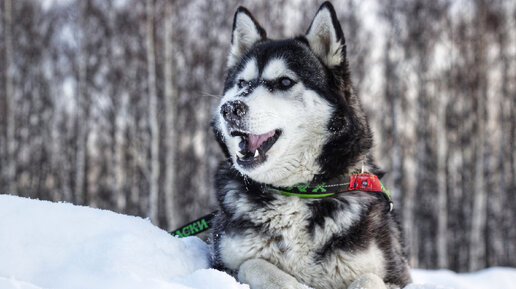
{"type": "Point", "coordinates": [242, 83]}
{"type": "Point", "coordinates": [285, 82]}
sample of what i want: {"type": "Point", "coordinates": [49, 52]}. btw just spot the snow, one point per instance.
{"type": "Point", "coordinates": [58, 245]}
{"type": "Point", "coordinates": [494, 277]}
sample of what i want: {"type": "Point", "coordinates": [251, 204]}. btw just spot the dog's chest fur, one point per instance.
{"type": "Point", "coordinates": [324, 243]}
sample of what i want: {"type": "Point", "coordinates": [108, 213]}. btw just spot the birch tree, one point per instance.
{"type": "Point", "coordinates": [499, 143]}
{"type": "Point", "coordinates": [10, 100]}
{"type": "Point", "coordinates": [442, 151]}
{"type": "Point", "coordinates": [477, 250]}
{"type": "Point", "coordinates": [507, 150]}
{"type": "Point", "coordinates": [81, 122]}
{"type": "Point", "coordinates": [442, 207]}
{"type": "Point", "coordinates": [152, 212]}
{"type": "Point", "coordinates": [172, 212]}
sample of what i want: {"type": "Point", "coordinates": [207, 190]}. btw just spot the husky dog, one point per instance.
{"type": "Point", "coordinates": [289, 116]}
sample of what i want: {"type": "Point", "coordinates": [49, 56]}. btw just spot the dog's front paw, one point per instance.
{"type": "Point", "coordinates": [260, 274]}
{"type": "Point", "coordinates": [368, 281]}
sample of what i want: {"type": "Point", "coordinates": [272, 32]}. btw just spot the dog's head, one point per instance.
{"type": "Point", "coordinates": [288, 113]}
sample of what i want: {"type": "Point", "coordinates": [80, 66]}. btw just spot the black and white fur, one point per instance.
{"type": "Point", "coordinates": [269, 240]}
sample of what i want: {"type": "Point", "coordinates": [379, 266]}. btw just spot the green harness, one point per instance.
{"type": "Point", "coordinates": [357, 182]}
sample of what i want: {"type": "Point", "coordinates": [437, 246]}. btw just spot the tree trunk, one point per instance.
{"type": "Point", "coordinates": [121, 99]}
{"type": "Point", "coordinates": [172, 213]}
{"type": "Point", "coordinates": [442, 206]}
{"type": "Point", "coordinates": [498, 182]}
{"type": "Point", "coordinates": [119, 151]}
{"type": "Point", "coordinates": [478, 219]}
{"type": "Point", "coordinates": [152, 212]}
{"type": "Point", "coordinates": [10, 101]}
{"type": "Point", "coordinates": [83, 111]}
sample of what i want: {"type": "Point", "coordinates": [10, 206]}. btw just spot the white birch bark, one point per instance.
{"type": "Point", "coordinates": [119, 170]}
{"type": "Point", "coordinates": [119, 159]}
{"type": "Point", "coordinates": [173, 216]}
{"type": "Point", "coordinates": [152, 212]}
{"type": "Point", "coordinates": [442, 206]}
{"type": "Point", "coordinates": [478, 218]}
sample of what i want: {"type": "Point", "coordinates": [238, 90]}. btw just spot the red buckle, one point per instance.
{"type": "Point", "coordinates": [364, 182]}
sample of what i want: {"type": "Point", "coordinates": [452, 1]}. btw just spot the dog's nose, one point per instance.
{"type": "Point", "coordinates": [233, 111]}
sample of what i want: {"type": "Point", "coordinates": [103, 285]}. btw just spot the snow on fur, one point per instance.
{"type": "Point", "coordinates": [58, 245]}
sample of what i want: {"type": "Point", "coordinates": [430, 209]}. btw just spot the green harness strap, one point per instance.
{"type": "Point", "coordinates": [357, 182]}
{"type": "Point", "coordinates": [196, 227]}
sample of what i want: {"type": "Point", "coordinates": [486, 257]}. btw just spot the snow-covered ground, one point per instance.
{"type": "Point", "coordinates": [58, 245]}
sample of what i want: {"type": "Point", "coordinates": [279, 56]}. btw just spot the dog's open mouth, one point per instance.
{"type": "Point", "coordinates": [253, 147]}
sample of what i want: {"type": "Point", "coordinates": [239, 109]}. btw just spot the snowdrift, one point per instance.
{"type": "Point", "coordinates": [59, 245]}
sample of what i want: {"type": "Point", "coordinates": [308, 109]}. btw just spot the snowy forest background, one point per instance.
{"type": "Point", "coordinates": [108, 104]}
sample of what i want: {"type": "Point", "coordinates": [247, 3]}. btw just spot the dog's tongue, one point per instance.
{"type": "Point", "coordinates": [256, 140]}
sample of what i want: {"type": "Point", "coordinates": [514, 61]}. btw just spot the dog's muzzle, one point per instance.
{"type": "Point", "coordinates": [234, 112]}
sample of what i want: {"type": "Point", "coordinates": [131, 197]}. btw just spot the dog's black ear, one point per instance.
{"type": "Point", "coordinates": [325, 36]}
{"type": "Point", "coordinates": [246, 32]}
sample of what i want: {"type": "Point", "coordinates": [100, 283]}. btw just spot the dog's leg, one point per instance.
{"type": "Point", "coordinates": [368, 281]}
{"type": "Point", "coordinates": [260, 274]}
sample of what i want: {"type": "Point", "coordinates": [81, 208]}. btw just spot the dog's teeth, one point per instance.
{"type": "Point", "coordinates": [256, 154]}
{"type": "Point", "coordinates": [239, 154]}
